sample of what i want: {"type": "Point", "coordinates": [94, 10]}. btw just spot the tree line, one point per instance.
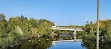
{"type": "Point", "coordinates": [19, 28]}
{"type": "Point", "coordinates": [90, 30]}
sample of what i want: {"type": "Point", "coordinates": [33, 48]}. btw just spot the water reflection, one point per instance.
{"type": "Point", "coordinates": [46, 43]}
{"type": "Point", "coordinates": [65, 35]}
{"type": "Point", "coordinates": [41, 43]}
{"type": "Point", "coordinates": [89, 44]}
{"type": "Point", "coordinates": [67, 45]}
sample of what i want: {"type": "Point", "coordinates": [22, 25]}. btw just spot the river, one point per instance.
{"type": "Point", "coordinates": [46, 43]}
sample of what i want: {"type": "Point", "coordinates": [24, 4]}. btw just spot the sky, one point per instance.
{"type": "Point", "coordinates": [61, 12]}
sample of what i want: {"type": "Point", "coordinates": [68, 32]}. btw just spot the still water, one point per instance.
{"type": "Point", "coordinates": [67, 45]}
{"type": "Point", "coordinates": [46, 43]}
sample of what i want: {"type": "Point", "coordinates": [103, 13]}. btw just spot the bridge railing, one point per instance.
{"type": "Point", "coordinates": [66, 28]}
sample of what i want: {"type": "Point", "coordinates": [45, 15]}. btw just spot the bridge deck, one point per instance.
{"type": "Point", "coordinates": [66, 28]}
{"type": "Point", "coordinates": [61, 41]}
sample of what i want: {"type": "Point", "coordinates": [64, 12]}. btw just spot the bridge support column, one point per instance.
{"type": "Point", "coordinates": [74, 34]}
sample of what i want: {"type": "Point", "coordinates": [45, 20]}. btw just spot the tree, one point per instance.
{"type": "Point", "coordinates": [108, 27]}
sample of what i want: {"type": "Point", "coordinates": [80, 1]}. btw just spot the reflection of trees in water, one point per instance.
{"type": "Point", "coordinates": [44, 43]}
{"type": "Point", "coordinates": [68, 36]}
{"type": "Point", "coordinates": [105, 45]}
{"type": "Point", "coordinates": [89, 44]}
{"type": "Point", "coordinates": [41, 43]}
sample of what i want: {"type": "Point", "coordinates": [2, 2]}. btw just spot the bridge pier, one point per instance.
{"type": "Point", "coordinates": [74, 35]}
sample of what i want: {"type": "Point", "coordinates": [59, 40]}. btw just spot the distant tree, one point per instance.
{"type": "Point", "coordinates": [108, 25]}
{"type": "Point", "coordinates": [91, 22]}
{"type": "Point", "coordinates": [87, 22]}
{"type": "Point", "coordinates": [2, 17]}
{"type": "Point", "coordinates": [22, 17]}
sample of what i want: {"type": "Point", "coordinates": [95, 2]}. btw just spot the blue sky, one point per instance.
{"type": "Point", "coordinates": [61, 12]}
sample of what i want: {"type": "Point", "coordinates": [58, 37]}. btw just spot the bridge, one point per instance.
{"type": "Point", "coordinates": [62, 41]}
{"type": "Point", "coordinates": [66, 28]}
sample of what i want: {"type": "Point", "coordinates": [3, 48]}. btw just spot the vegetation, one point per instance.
{"type": "Point", "coordinates": [20, 28]}
{"type": "Point", "coordinates": [90, 30]}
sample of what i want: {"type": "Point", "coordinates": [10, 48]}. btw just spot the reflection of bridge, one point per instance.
{"type": "Point", "coordinates": [62, 41]}
{"type": "Point", "coordinates": [66, 28]}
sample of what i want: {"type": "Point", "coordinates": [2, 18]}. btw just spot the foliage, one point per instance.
{"type": "Point", "coordinates": [10, 31]}
{"type": "Point", "coordinates": [108, 31]}
{"type": "Point", "coordinates": [90, 30]}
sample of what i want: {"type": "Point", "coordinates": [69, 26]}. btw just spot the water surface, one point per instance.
{"type": "Point", "coordinates": [67, 45]}
{"type": "Point", "coordinates": [46, 43]}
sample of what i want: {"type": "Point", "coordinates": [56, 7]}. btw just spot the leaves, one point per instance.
{"type": "Point", "coordinates": [8, 29]}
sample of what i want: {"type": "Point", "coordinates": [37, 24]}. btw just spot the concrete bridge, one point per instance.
{"type": "Point", "coordinates": [62, 41]}
{"type": "Point", "coordinates": [66, 28]}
